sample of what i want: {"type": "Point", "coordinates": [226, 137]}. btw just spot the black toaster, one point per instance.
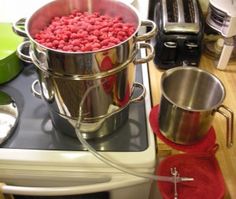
{"type": "Point", "coordinates": [180, 33]}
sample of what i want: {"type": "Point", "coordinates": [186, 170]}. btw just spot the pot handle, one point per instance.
{"type": "Point", "coordinates": [19, 51]}
{"type": "Point", "coordinates": [229, 116]}
{"type": "Point", "coordinates": [150, 53]}
{"type": "Point", "coordinates": [141, 96]}
{"type": "Point", "coordinates": [17, 27]}
{"type": "Point", "coordinates": [34, 91]}
{"type": "Point", "coordinates": [150, 34]}
{"type": "Point", "coordinates": [135, 99]}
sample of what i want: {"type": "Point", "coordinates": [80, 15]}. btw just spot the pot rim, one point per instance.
{"type": "Point", "coordinates": [86, 52]}
{"type": "Point", "coordinates": [172, 70]}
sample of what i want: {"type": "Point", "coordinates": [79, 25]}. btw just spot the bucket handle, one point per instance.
{"type": "Point", "coordinates": [150, 34]}
{"type": "Point", "coordinates": [17, 27]}
{"type": "Point", "coordinates": [229, 116]}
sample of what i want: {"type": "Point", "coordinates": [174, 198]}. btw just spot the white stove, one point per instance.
{"type": "Point", "coordinates": [38, 161]}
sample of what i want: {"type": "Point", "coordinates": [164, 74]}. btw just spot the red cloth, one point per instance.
{"type": "Point", "coordinates": [198, 162]}
{"type": "Point", "coordinates": [204, 168]}
{"type": "Point", "coordinates": [206, 144]}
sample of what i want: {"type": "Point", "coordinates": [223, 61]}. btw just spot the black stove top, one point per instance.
{"type": "Point", "coordinates": [35, 130]}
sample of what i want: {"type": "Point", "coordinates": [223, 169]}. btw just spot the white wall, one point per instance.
{"type": "Point", "coordinates": [12, 10]}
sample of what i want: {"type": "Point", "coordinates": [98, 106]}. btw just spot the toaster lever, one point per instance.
{"type": "Point", "coordinates": [191, 45]}
{"type": "Point", "coordinates": [170, 44]}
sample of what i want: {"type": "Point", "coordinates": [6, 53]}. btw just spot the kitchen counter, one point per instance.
{"type": "Point", "coordinates": [225, 156]}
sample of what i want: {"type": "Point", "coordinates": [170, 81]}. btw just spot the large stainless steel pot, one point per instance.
{"type": "Point", "coordinates": [80, 63]}
{"type": "Point", "coordinates": [190, 98]}
{"type": "Point", "coordinates": [65, 77]}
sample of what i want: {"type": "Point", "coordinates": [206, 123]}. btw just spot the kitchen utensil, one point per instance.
{"type": "Point", "coordinates": [175, 174]}
{"type": "Point", "coordinates": [190, 98]}
{"type": "Point", "coordinates": [8, 116]}
{"type": "Point", "coordinates": [221, 16]}
{"type": "Point", "coordinates": [10, 65]}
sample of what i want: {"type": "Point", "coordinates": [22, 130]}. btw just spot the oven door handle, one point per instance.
{"type": "Point", "coordinates": [118, 181]}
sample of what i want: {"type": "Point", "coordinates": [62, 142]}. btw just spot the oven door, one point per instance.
{"type": "Point", "coordinates": [76, 186]}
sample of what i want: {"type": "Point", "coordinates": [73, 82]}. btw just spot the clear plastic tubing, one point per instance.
{"type": "Point", "coordinates": [112, 163]}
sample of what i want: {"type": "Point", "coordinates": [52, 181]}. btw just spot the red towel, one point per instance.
{"type": "Point", "coordinates": [204, 168]}
{"type": "Point", "coordinates": [198, 162]}
{"type": "Point", "coordinates": [206, 144]}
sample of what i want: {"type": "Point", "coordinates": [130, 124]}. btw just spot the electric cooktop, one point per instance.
{"type": "Point", "coordinates": [34, 129]}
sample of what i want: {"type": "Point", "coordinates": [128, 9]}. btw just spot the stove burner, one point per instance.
{"type": "Point", "coordinates": [8, 116]}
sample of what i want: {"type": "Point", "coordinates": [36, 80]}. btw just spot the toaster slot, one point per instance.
{"type": "Point", "coordinates": [171, 10]}
{"type": "Point", "coordinates": [180, 16]}
{"type": "Point", "coordinates": [189, 13]}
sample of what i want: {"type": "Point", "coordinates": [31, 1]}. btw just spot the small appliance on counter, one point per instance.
{"type": "Point", "coordinates": [221, 17]}
{"type": "Point", "coordinates": [181, 30]}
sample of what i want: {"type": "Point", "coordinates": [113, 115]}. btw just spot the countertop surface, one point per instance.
{"type": "Point", "coordinates": [226, 156]}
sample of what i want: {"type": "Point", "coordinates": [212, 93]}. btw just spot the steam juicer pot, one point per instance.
{"type": "Point", "coordinates": [64, 77]}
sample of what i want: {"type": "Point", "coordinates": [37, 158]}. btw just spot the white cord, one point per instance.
{"type": "Point", "coordinates": [110, 162]}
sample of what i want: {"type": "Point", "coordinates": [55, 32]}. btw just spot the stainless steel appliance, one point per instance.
{"type": "Point", "coordinates": [221, 17]}
{"type": "Point", "coordinates": [179, 39]}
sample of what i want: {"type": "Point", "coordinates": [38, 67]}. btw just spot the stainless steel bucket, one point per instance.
{"type": "Point", "coordinates": [190, 98]}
